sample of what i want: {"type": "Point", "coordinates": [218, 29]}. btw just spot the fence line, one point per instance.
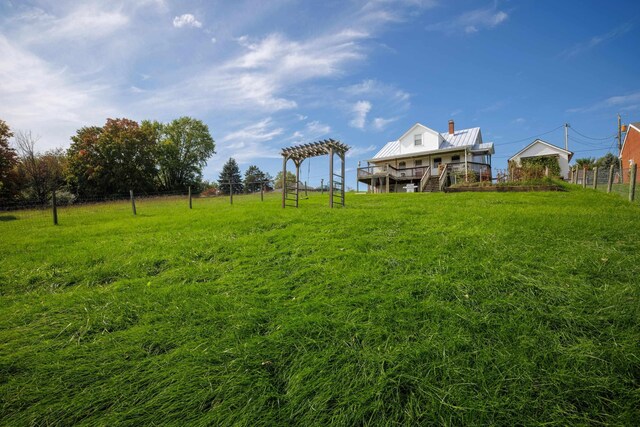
{"type": "Point", "coordinates": [59, 210]}
{"type": "Point", "coordinates": [609, 180]}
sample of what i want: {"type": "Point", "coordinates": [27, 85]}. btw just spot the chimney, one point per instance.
{"type": "Point", "coordinates": [451, 127]}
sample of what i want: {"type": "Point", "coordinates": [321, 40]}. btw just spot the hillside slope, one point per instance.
{"type": "Point", "coordinates": [399, 309]}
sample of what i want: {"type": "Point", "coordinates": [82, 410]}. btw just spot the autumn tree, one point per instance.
{"type": "Point", "coordinates": [184, 145]}
{"type": "Point", "coordinates": [113, 159]}
{"type": "Point", "coordinates": [291, 179]}
{"type": "Point", "coordinates": [40, 173]}
{"type": "Point", "coordinates": [230, 178]}
{"type": "Point", "coordinates": [8, 162]}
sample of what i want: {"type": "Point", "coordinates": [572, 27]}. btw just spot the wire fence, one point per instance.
{"type": "Point", "coordinates": [61, 209]}
{"type": "Point", "coordinates": [610, 180]}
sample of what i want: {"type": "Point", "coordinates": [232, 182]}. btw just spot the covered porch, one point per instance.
{"type": "Point", "coordinates": [385, 178]}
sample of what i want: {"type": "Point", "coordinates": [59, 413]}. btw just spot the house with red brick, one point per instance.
{"type": "Point", "coordinates": [630, 153]}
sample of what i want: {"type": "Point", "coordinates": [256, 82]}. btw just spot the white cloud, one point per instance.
{"type": "Point", "coordinates": [89, 21]}
{"type": "Point", "coordinates": [265, 69]}
{"type": "Point", "coordinates": [519, 120]}
{"type": "Point", "coordinates": [313, 130]}
{"type": "Point", "coordinates": [374, 88]}
{"type": "Point", "coordinates": [627, 102]}
{"type": "Point", "coordinates": [360, 110]}
{"type": "Point", "coordinates": [250, 142]}
{"type": "Point", "coordinates": [358, 151]}
{"type": "Point", "coordinates": [471, 22]}
{"type": "Point", "coordinates": [259, 132]}
{"type": "Point", "coordinates": [316, 129]}
{"type": "Point", "coordinates": [186, 20]}
{"type": "Point", "coordinates": [47, 100]}
{"type": "Point", "coordinates": [380, 123]}
{"type": "Point", "coordinates": [597, 40]}
{"type": "Point", "coordinates": [213, 40]}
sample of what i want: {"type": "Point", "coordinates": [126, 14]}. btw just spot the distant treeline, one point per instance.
{"type": "Point", "coordinates": [112, 159]}
{"type": "Point", "coordinates": [121, 155]}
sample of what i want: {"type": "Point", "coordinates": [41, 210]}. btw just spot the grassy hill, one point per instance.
{"type": "Point", "coordinates": [399, 309]}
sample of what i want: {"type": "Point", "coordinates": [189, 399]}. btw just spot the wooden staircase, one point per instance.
{"type": "Point", "coordinates": [432, 185]}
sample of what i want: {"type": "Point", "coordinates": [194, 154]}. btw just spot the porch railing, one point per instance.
{"type": "Point", "coordinates": [443, 179]}
{"type": "Point", "coordinates": [425, 178]}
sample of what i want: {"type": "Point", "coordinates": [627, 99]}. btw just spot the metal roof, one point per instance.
{"type": "Point", "coordinates": [460, 139]}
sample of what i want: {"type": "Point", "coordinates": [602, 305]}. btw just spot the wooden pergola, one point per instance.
{"type": "Point", "coordinates": [298, 153]}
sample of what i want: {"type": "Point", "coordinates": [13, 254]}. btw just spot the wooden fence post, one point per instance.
{"type": "Point", "coordinates": [262, 192]}
{"type": "Point", "coordinates": [305, 189]}
{"type": "Point", "coordinates": [584, 177]}
{"type": "Point", "coordinates": [322, 186]}
{"type": "Point", "coordinates": [575, 175]}
{"type": "Point", "coordinates": [190, 204]}
{"type": "Point", "coordinates": [54, 207]}
{"type": "Point", "coordinates": [133, 202]}
{"type": "Point", "coordinates": [610, 182]}
{"type": "Point", "coordinates": [632, 184]}
{"type": "Point", "coordinates": [595, 178]}
{"type": "Point", "coordinates": [387, 183]}
{"type": "Point", "coordinates": [231, 192]}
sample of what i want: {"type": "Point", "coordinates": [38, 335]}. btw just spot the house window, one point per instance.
{"type": "Point", "coordinates": [418, 163]}
{"type": "Point", "coordinates": [402, 165]}
{"type": "Point", "coordinates": [437, 161]}
{"type": "Point", "coordinates": [417, 139]}
{"type": "Point", "coordinates": [455, 158]}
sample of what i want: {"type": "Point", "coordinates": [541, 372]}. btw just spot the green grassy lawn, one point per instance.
{"type": "Point", "coordinates": [400, 309]}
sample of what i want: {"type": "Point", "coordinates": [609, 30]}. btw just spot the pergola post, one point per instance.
{"type": "Point", "coordinates": [284, 180]}
{"type": "Point", "coordinates": [342, 172]}
{"type": "Point", "coordinates": [298, 163]}
{"type": "Point", "coordinates": [331, 177]}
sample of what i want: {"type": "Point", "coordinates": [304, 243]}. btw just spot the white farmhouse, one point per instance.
{"type": "Point", "coordinates": [422, 155]}
{"type": "Point", "coordinates": [540, 148]}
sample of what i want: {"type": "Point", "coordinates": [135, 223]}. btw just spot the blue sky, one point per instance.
{"type": "Point", "coordinates": [269, 74]}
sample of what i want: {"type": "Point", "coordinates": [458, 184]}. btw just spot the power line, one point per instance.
{"type": "Point", "coordinates": [590, 144]}
{"type": "Point", "coordinates": [530, 137]}
{"type": "Point", "coordinates": [590, 137]}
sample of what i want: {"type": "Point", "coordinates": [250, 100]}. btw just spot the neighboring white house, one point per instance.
{"type": "Point", "coordinates": [540, 148]}
{"type": "Point", "coordinates": [420, 155]}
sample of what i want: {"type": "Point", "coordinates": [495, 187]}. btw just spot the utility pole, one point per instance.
{"type": "Point", "coordinates": [566, 136]}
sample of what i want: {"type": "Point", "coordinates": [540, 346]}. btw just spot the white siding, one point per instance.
{"type": "Point", "coordinates": [430, 140]}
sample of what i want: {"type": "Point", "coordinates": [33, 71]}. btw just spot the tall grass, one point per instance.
{"type": "Point", "coordinates": [401, 309]}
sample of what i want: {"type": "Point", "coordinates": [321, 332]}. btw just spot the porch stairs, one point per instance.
{"type": "Point", "coordinates": [432, 185]}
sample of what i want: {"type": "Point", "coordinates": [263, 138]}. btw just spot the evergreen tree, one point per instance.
{"type": "Point", "coordinates": [607, 160]}
{"type": "Point", "coordinates": [253, 179]}
{"type": "Point", "coordinates": [230, 175]}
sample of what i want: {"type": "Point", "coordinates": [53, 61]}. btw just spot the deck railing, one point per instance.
{"type": "Point", "coordinates": [456, 170]}
{"type": "Point", "coordinates": [407, 173]}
